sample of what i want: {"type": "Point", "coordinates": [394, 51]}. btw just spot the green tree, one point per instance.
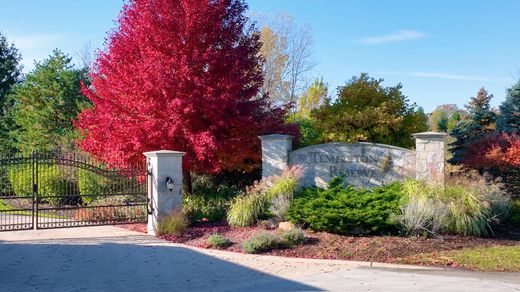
{"type": "Point", "coordinates": [445, 111]}
{"type": "Point", "coordinates": [455, 118]}
{"type": "Point", "coordinates": [313, 98]}
{"type": "Point", "coordinates": [422, 118]}
{"type": "Point", "coordinates": [434, 118]}
{"type": "Point", "coordinates": [46, 103]}
{"type": "Point", "coordinates": [442, 122]}
{"type": "Point", "coordinates": [477, 124]}
{"type": "Point", "coordinates": [309, 134]}
{"type": "Point", "coordinates": [509, 119]}
{"type": "Point", "coordinates": [367, 111]}
{"type": "Point", "coordinates": [10, 74]}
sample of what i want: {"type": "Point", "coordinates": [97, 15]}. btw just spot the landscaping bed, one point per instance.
{"type": "Point", "coordinates": [448, 250]}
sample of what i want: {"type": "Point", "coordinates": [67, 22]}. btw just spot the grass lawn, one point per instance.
{"type": "Point", "coordinates": [496, 258]}
{"type": "Point", "coordinates": [6, 207]}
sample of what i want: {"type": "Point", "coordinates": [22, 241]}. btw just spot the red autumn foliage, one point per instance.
{"type": "Point", "coordinates": [181, 75]}
{"type": "Point", "coordinates": [495, 150]}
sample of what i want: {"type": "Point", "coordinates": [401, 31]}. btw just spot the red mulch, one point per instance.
{"type": "Point", "coordinates": [321, 245]}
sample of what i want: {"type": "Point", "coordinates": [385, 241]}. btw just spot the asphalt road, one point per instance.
{"type": "Point", "coordinates": [114, 259]}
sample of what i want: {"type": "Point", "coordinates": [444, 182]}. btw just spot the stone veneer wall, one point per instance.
{"type": "Point", "coordinates": [430, 159]}
{"type": "Point", "coordinates": [368, 164]}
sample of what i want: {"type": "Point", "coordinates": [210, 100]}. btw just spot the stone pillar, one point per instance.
{"type": "Point", "coordinates": [163, 164]}
{"type": "Point", "coordinates": [275, 153]}
{"type": "Point", "coordinates": [430, 156]}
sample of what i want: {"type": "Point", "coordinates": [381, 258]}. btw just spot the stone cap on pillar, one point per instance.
{"type": "Point", "coordinates": [163, 153]}
{"type": "Point", "coordinates": [276, 137]}
{"type": "Point", "coordinates": [430, 135]}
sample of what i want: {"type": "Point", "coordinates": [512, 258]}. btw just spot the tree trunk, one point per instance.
{"type": "Point", "coordinates": [188, 188]}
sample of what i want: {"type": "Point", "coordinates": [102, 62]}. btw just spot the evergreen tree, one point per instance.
{"type": "Point", "coordinates": [45, 104]}
{"type": "Point", "coordinates": [476, 125]}
{"type": "Point", "coordinates": [454, 120]}
{"type": "Point", "coordinates": [10, 73]}
{"type": "Point", "coordinates": [509, 119]}
{"type": "Point", "coordinates": [422, 119]}
{"type": "Point", "coordinates": [442, 122]}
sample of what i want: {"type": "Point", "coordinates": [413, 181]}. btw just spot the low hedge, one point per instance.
{"type": "Point", "coordinates": [344, 209]}
{"type": "Point", "coordinates": [51, 183]}
{"type": "Point", "coordinates": [91, 186]}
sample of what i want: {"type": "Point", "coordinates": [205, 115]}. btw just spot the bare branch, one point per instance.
{"type": "Point", "coordinates": [287, 51]}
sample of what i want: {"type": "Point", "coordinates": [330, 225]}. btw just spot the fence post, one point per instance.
{"type": "Point", "coordinates": [275, 153]}
{"type": "Point", "coordinates": [430, 156]}
{"type": "Point", "coordinates": [164, 166]}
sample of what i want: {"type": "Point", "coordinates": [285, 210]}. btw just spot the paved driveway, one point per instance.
{"type": "Point", "coordinates": [114, 259]}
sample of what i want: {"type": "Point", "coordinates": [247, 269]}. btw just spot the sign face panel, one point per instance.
{"type": "Point", "coordinates": [361, 164]}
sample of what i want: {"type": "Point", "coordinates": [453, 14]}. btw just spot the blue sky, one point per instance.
{"type": "Point", "coordinates": [441, 51]}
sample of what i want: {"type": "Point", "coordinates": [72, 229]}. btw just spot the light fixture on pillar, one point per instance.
{"type": "Point", "coordinates": [169, 183]}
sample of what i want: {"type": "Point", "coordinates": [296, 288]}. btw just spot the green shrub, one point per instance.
{"type": "Point", "coordinates": [219, 241]}
{"type": "Point", "coordinates": [261, 242]}
{"type": "Point", "coordinates": [293, 237]}
{"type": "Point", "coordinates": [91, 185]}
{"type": "Point", "coordinates": [268, 195]}
{"type": "Point", "coordinates": [209, 200]}
{"type": "Point", "coordinates": [173, 224]}
{"type": "Point", "coordinates": [20, 178]}
{"type": "Point", "coordinates": [514, 218]}
{"type": "Point", "coordinates": [309, 134]}
{"type": "Point", "coordinates": [346, 210]}
{"type": "Point", "coordinates": [52, 184]}
{"type": "Point", "coordinates": [465, 205]}
{"type": "Point", "coordinates": [197, 208]}
{"type": "Point", "coordinates": [209, 186]}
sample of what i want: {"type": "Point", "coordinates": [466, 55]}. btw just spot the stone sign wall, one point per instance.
{"type": "Point", "coordinates": [361, 164]}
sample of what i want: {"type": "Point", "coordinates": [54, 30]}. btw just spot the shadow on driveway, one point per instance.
{"type": "Point", "coordinates": [109, 266]}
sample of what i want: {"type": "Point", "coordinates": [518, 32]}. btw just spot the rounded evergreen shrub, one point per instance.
{"type": "Point", "coordinates": [347, 210]}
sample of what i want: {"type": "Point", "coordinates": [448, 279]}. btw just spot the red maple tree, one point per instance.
{"type": "Point", "coordinates": [181, 75]}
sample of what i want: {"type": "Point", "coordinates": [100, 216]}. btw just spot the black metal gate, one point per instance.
{"type": "Point", "coordinates": [67, 189]}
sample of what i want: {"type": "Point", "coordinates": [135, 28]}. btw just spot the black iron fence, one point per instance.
{"type": "Point", "coordinates": [68, 189]}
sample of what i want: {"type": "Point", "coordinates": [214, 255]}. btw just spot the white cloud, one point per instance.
{"type": "Point", "coordinates": [450, 76]}
{"type": "Point", "coordinates": [398, 36]}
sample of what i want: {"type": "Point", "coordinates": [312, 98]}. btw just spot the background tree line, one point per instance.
{"type": "Point", "coordinates": [271, 88]}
